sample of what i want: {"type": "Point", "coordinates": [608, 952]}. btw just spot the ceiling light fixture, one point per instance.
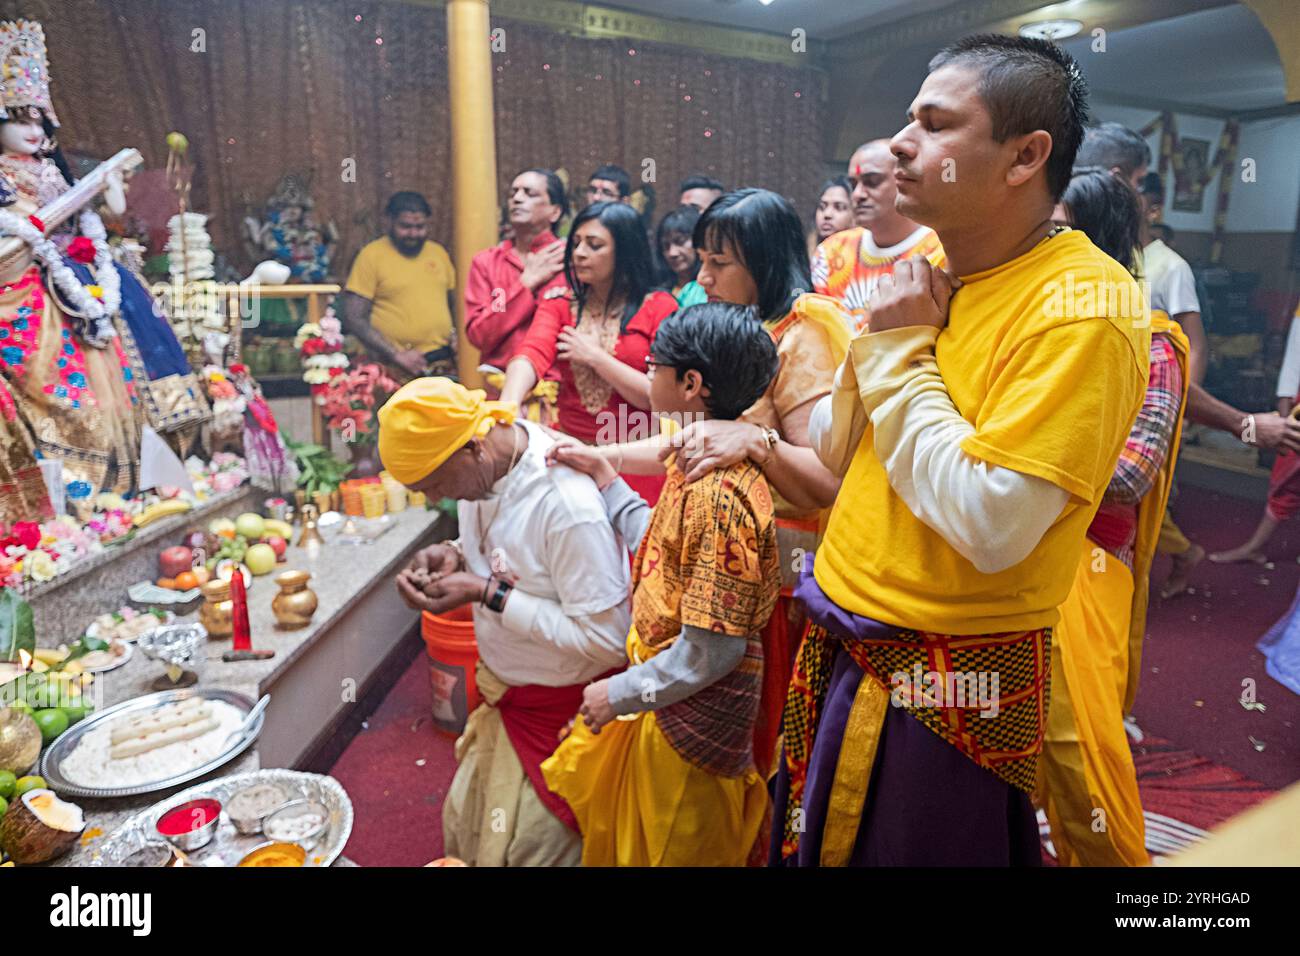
{"type": "Point", "coordinates": [1051, 29]}
{"type": "Point", "coordinates": [766, 3]}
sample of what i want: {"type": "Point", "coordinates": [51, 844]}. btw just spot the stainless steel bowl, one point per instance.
{"type": "Point", "coordinates": [197, 838]}
{"type": "Point", "coordinates": [151, 855]}
{"type": "Point", "coordinates": [248, 825]}
{"type": "Point", "coordinates": [275, 823]}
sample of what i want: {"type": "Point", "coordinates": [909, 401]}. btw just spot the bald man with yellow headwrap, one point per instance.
{"type": "Point", "coordinates": [549, 584]}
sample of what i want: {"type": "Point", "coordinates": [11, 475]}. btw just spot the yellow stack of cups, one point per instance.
{"type": "Point", "coordinates": [373, 499]}
{"type": "Point", "coordinates": [396, 492]}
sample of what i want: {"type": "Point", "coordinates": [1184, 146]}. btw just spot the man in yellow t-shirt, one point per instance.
{"type": "Point", "coordinates": [976, 423]}
{"type": "Point", "coordinates": [398, 296]}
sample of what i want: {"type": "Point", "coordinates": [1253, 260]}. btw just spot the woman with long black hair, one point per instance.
{"type": "Point", "coordinates": [751, 249]}
{"type": "Point", "coordinates": [1097, 643]}
{"type": "Point", "coordinates": [598, 333]}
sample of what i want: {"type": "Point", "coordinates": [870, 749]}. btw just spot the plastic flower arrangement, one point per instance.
{"type": "Point", "coordinates": [352, 400]}
{"type": "Point", "coordinates": [321, 346]}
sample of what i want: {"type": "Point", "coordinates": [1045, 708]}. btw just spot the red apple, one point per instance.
{"type": "Point", "coordinates": [278, 544]}
{"type": "Point", "coordinates": [175, 561]}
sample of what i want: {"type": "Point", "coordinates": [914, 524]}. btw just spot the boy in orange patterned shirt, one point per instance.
{"type": "Point", "coordinates": [661, 771]}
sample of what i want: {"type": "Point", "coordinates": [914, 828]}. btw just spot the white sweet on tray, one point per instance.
{"type": "Point", "coordinates": [92, 763]}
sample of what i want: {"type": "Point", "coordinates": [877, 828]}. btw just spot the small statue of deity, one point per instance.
{"type": "Point", "coordinates": [290, 234]}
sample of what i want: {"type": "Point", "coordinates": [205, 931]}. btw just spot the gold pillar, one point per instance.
{"type": "Point", "coordinates": [473, 153]}
{"type": "Point", "coordinates": [1280, 19]}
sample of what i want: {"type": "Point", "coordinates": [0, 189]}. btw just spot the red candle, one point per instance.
{"type": "Point", "coordinates": [241, 637]}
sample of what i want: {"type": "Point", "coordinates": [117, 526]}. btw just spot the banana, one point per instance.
{"type": "Point", "coordinates": [281, 528]}
{"type": "Point", "coordinates": [49, 655]}
{"type": "Point", "coordinates": [162, 509]}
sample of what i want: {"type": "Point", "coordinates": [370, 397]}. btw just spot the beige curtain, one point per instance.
{"type": "Point", "coordinates": [270, 86]}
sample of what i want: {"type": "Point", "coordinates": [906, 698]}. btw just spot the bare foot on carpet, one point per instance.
{"type": "Point", "coordinates": [1184, 563]}
{"type": "Point", "coordinates": [1244, 553]}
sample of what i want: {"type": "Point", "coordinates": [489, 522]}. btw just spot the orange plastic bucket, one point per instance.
{"type": "Point", "coordinates": [453, 653]}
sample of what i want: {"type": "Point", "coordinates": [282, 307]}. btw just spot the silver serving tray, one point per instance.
{"type": "Point", "coordinates": [56, 752]}
{"type": "Point", "coordinates": [228, 846]}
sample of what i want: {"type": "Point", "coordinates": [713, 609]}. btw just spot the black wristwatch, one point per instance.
{"type": "Point", "coordinates": [494, 598]}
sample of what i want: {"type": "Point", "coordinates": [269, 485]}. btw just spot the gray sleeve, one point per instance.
{"type": "Point", "coordinates": [695, 660]}
{"type": "Point", "coordinates": [628, 512]}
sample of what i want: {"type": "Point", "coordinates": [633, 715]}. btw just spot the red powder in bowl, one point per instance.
{"type": "Point", "coordinates": [188, 817]}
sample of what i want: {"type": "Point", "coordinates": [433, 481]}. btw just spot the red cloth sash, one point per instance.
{"type": "Point", "coordinates": [534, 716]}
{"type": "Point", "coordinates": [1114, 527]}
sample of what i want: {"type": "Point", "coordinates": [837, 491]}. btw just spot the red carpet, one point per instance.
{"type": "Point", "coordinates": [1198, 764]}
{"type": "Point", "coordinates": [1200, 647]}
{"type": "Point", "coordinates": [397, 771]}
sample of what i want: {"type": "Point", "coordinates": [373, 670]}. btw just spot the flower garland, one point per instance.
{"type": "Point", "coordinates": [97, 303]}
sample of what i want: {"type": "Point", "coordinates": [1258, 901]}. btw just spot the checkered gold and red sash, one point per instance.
{"type": "Point", "coordinates": [1007, 744]}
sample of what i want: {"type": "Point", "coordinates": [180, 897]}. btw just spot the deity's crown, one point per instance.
{"type": "Point", "coordinates": [24, 69]}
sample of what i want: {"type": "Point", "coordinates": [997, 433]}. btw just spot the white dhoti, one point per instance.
{"type": "Point", "coordinates": [492, 815]}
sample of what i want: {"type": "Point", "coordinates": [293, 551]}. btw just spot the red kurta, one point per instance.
{"type": "Point", "coordinates": [497, 322]}
{"type": "Point", "coordinates": [619, 420]}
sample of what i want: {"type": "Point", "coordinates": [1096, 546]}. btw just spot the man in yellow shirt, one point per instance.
{"type": "Point", "coordinates": [398, 297]}
{"type": "Point", "coordinates": [976, 422]}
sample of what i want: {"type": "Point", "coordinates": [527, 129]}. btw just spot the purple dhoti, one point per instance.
{"type": "Point", "coordinates": [927, 804]}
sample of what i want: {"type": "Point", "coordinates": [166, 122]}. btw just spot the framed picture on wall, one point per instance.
{"type": "Point", "coordinates": [1189, 194]}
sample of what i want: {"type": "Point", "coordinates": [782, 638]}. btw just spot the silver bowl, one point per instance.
{"type": "Point", "coordinates": [253, 824]}
{"type": "Point", "coordinates": [175, 645]}
{"type": "Point", "coordinates": [273, 824]}
{"type": "Point", "coordinates": [197, 838]}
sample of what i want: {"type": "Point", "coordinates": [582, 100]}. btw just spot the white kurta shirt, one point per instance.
{"type": "Point", "coordinates": [567, 619]}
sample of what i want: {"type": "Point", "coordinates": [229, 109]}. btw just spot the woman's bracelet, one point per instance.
{"type": "Point", "coordinates": [770, 438]}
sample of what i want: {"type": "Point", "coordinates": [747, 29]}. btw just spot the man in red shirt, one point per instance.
{"type": "Point", "coordinates": [504, 287]}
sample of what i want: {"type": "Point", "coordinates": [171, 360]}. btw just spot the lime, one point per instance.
{"type": "Point", "coordinates": [7, 783]}
{"type": "Point", "coordinates": [30, 782]}
{"type": "Point", "coordinates": [52, 721]}
{"type": "Point", "coordinates": [4, 805]}
{"type": "Point", "coordinates": [76, 710]}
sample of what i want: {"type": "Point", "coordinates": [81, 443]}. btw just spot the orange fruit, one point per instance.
{"type": "Point", "coordinates": [227, 533]}
{"type": "Point", "coordinates": [168, 583]}
{"type": "Point", "coordinates": [186, 580]}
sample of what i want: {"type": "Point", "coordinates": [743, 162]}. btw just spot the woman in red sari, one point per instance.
{"type": "Point", "coordinates": [598, 334]}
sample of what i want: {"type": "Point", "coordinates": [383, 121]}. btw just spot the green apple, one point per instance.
{"type": "Point", "coordinates": [251, 526]}
{"type": "Point", "coordinates": [260, 559]}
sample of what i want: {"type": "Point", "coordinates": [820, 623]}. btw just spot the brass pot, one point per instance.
{"type": "Point", "coordinates": [217, 612]}
{"type": "Point", "coordinates": [296, 603]}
